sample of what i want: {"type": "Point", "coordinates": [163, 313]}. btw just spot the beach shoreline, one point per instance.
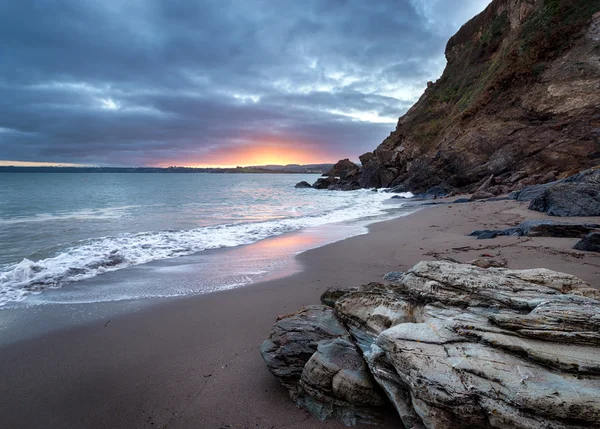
{"type": "Point", "coordinates": [194, 363]}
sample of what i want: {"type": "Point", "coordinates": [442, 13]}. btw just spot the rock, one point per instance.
{"type": "Point", "coordinates": [303, 184]}
{"type": "Point", "coordinates": [461, 201]}
{"type": "Point", "coordinates": [486, 184]}
{"type": "Point", "coordinates": [590, 243]}
{"type": "Point", "coordinates": [343, 169]}
{"type": "Point", "coordinates": [393, 276]}
{"type": "Point", "coordinates": [540, 228]}
{"type": "Point", "coordinates": [480, 195]}
{"type": "Point", "coordinates": [337, 384]}
{"type": "Point", "coordinates": [312, 356]}
{"type": "Point", "coordinates": [375, 175]}
{"type": "Point", "coordinates": [294, 339]}
{"type": "Point", "coordinates": [331, 295]}
{"type": "Point", "coordinates": [569, 199]}
{"type": "Point", "coordinates": [325, 182]}
{"type": "Point", "coordinates": [366, 157]}
{"type": "Point", "coordinates": [372, 309]}
{"type": "Point", "coordinates": [455, 345]}
{"type": "Point", "coordinates": [488, 263]}
{"type": "Point", "coordinates": [486, 234]}
{"type": "Point", "coordinates": [434, 192]}
{"type": "Point", "coordinates": [548, 228]}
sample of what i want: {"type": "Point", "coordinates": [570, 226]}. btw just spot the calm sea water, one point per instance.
{"type": "Point", "coordinates": [59, 229]}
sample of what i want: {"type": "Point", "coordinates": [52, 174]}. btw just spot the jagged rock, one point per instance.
{"type": "Point", "coordinates": [294, 339]}
{"type": "Point", "coordinates": [331, 295]}
{"type": "Point", "coordinates": [540, 228]}
{"type": "Point", "coordinates": [311, 355]}
{"type": "Point", "coordinates": [325, 182]}
{"type": "Point", "coordinates": [336, 383]}
{"type": "Point", "coordinates": [343, 169]}
{"type": "Point", "coordinates": [303, 184]}
{"type": "Point", "coordinates": [516, 101]}
{"type": "Point", "coordinates": [590, 243]}
{"type": "Point", "coordinates": [569, 199]}
{"type": "Point", "coordinates": [480, 195]}
{"type": "Point", "coordinates": [488, 263]}
{"type": "Point", "coordinates": [393, 276]}
{"type": "Point", "coordinates": [366, 157]}
{"type": "Point", "coordinates": [548, 228]}
{"type": "Point", "coordinates": [486, 184]}
{"type": "Point", "coordinates": [434, 192]}
{"type": "Point", "coordinates": [486, 234]}
{"type": "Point", "coordinates": [375, 175]}
{"type": "Point", "coordinates": [454, 345]}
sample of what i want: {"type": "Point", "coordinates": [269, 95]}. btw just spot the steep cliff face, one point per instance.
{"type": "Point", "coordinates": [519, 100]}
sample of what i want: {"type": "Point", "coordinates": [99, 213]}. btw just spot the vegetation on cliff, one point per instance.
{"type": "Point", "coordinates": [518, 100]}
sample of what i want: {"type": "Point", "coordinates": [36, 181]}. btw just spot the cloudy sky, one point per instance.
{"type": "Point", "coordinates": [220, 82]}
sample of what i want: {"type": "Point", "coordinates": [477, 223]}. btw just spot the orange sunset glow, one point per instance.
{"type": "Point", "coordinates": [257, 155]}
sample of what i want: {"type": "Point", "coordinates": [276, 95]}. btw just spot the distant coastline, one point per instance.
{"type": "Point", "coordinates": [263, 169]}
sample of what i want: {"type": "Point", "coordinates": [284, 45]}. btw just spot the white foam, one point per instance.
{"type": "Point", "coordinates": [83, 214]}
{"type": "Point", "coordinates": [90, 258]}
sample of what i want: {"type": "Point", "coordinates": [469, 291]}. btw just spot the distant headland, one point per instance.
{"type": "Point", "coordinates": [262, 169]}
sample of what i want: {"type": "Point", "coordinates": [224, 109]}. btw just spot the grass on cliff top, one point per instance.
{"type": "Point", "coordinates": [487, 71]}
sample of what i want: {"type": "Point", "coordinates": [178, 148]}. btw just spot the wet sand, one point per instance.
{"type": "Point", "coordinates": [194, 362]}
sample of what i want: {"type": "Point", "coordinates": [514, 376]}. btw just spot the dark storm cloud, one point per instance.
{"type": "Point", "coordinates": [137, 82]}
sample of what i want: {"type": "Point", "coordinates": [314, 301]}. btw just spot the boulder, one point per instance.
{"type": "Point", "coordinates": [455, 345]}
{"type": "Point", "coordinates": [590, 243]}
{"type": "Point", "coordinates": [331, 295]}
{"type": "Point", "coordinates": [294, 339]}
{"type": "Point", "coordinates": [481, 195]}
{"type": "Point", "coordinates": [343, 169]}
{"type": "Point", "coordinates": [325, 182]}
{"type": "Point", "coordinates": [548, 228]}
{"type": "Point", "coordinates": [336, 383]}
{"type": "Point", "coordinates": [375, 175]}
{"type": "Point", "coordinates": [569, 199]}
{"type": "Point", "coordinates": [366, 157]}
{"type": "Point", "coordinates": [303, 184]}
{"type": "Point", "coordinates": [540, 228]}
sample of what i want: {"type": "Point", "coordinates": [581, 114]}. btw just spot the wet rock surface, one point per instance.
{"type": "Point", "coordinates": [540, 228]}
{"type": "Point", "coordinates": [569, 199]}
{"type": "Point", "coordinates": [589, 243]}
{"type": "Point", "coordinates": [454, 345]}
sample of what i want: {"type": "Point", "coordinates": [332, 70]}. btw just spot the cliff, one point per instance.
{"type": "Point", "coordinates": [519, 100]}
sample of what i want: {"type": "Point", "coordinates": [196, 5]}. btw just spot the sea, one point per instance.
{"type": "Point", "coordinates": [75, 238]}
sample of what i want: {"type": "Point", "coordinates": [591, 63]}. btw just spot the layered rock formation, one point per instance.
{"type": "Point", "coordinates": [450, 345]}
{"type": "Point", "coordinates": [518, 102]}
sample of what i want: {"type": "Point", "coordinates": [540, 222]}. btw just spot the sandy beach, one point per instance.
{"type": "Point", "coordinates": [194, 362]}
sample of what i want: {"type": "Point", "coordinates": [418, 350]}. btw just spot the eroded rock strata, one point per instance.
{"type": "Point", "coordinates": [518, 104]}
{"type": "Point", "coordinates": [449, 345]}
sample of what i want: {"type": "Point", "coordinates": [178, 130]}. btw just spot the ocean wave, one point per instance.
{"type": "Point", "coordinates": [92, 257]}
{"type": "Point", "coordinates": [83, 214]}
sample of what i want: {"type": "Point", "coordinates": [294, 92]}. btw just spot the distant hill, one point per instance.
{"type": "Point", "coordinates": [266, 169]}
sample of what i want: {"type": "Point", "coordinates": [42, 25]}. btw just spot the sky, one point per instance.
{"type": "Point", "coordinates": [206, 83]}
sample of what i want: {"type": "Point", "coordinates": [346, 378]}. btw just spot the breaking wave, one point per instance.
{"type": "Point", "coordinates": [89, 258]}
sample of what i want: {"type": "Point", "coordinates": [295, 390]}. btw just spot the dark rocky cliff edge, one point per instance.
{"type": "Point", "coordinates": [519, 100]}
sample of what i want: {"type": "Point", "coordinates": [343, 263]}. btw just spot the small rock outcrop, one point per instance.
{"type": "Point", "coordinates": [451, 345]}
{"type": "Point", "coordinates": [569, 199]}
{"type": "Point", "coordinates": [589, 243]}
{"type": "Point", "coordinates": [303, 184]}
{"type": "Point", "coordinates": [540, 228]}
{"type": "Point", "coordinates": [312, 356]}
